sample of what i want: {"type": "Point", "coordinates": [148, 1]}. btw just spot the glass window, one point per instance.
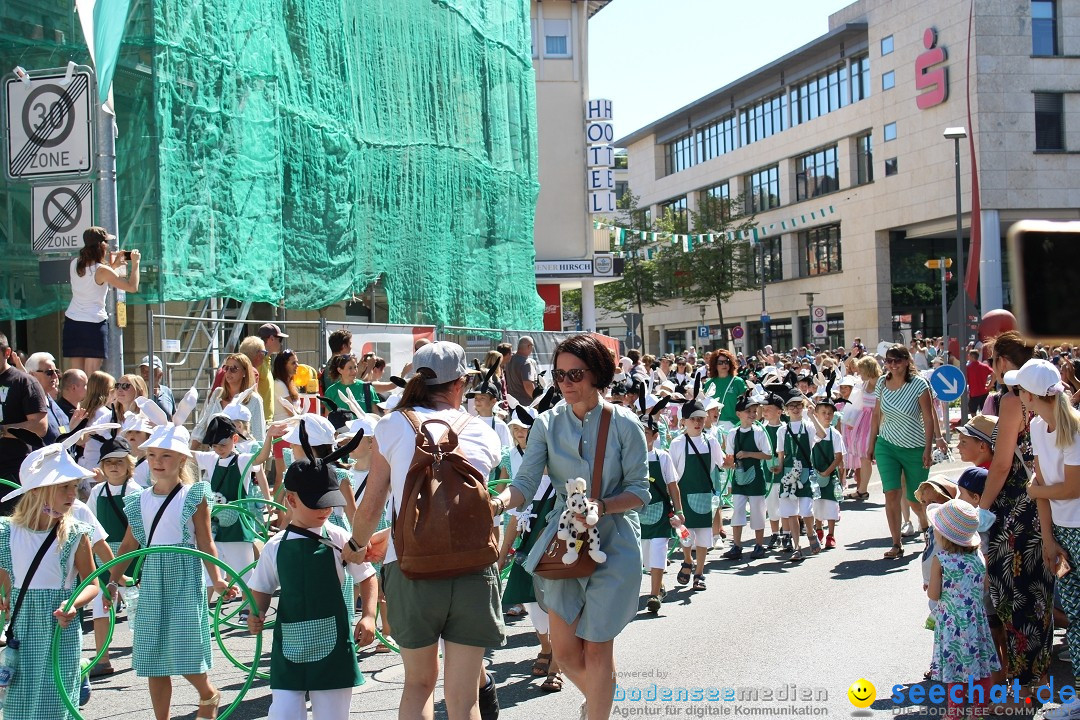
{"type": "Point", "coordinates": [715, 139]}
{"type": "Point", "coordinates": [768, 252]}
{"type": "Point", "coordinates": [762, 119]}
{"type": "Point", "coordinates": [715, 205]}
{"type": "Point", "coordinates": [864, 158]}
{"type": "Point", "coordinates": [762, 189]}
{"type": "Point", "coordinates": [891, 167]}
{"type": "Point", "coordinates": [677, 209]}
{"type": "Point", "coordinates": [860, 78]}
{"type": "Point", "coordinates": [886, 45]}
{"type": "Point", "coordinates": [816, 173]}
{"type": "Point", "coordinates": [1049, 122]}
{"type": "Point", "coordinates": [819, 95]}
{"type": "Point", "coordinates": [557, 38]}
{"type": "Point", "coordinates": [679, 155]}
{"type": "Point", "coordinates": [620, 189]}
{"type": "Point", "coordinates": [888, 80]}
{"type": "Point", "coordinates": [1043, 27]}
{"type": "Point", "coordinates": [819, 251]}
{"type": "Point", "coordinates": [890, 132]}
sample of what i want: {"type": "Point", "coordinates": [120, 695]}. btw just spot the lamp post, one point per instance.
{"type": "Point", "coordinates": [956, 134]}
{"type": "Point", "coordinates": [809, 318]}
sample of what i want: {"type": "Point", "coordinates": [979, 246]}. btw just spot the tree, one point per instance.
{"type": "Point", "coordinates": [638, 285]}
{"type": "Point", "coordinates": [713, 272]}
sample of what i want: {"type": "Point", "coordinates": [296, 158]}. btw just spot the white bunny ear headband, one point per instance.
{"type": "Point", "coordinates": [52, 465]}
{"type": "Point", "coordinates": [350, 401]}
{"type": "Point", "coordinates": [289, 407]}
{"type": "Point", "coordinates": [185, 406]}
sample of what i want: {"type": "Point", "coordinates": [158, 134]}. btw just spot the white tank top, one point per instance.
{"type": "Point", "coordinates": [87, 297]}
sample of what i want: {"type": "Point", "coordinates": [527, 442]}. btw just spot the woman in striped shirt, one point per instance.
{"type": "Point", "coordinates": [902, 438]}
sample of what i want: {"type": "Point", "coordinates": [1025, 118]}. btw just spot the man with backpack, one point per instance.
{"type": "Point", "coordinates": [439, 574]}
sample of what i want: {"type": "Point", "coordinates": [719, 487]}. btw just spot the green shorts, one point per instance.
{"type": "Point", "coordinates": [900, 464]}
{"type": "Point", "coordinates": [466, 609]}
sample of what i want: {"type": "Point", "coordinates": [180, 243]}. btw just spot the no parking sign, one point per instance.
{"type": "Point", "coordinates": [59, 214]}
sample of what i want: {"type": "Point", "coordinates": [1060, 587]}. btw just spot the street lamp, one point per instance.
{"type": "Point", "coordinates": [956, 134]}
{"type": "Point", "coordinates": [809, 318]}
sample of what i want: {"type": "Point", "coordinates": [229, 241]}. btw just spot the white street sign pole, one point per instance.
{"type": "Point", "coordinates": [107, 215]}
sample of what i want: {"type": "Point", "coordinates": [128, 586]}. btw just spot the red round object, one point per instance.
{"type": "Point", "coordinates": [996, 322]}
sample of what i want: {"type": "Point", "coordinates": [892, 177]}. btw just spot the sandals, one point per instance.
{"type": "Point", "coordinates": [699, 582]}
{"type": "Point", "coordinates": [894, 554]}
{"type": "Point", "coordinates": [552, 684]}
{"type": "Point", "coordinates": [517, 611]}
{"type": "Point", "coordinates": [860, 496]}
{"type": "Point", "coordinates": [541, 665]}
{"type": "Point", "coordinates": [797, 556]}
{"type": "Point", "coordinates": [684, 574]}
{"type": "Point", "coordinates": [383, 647]}
{"type": "Point", "coordinates": [211, 702]}
{"type": "Point", "coordinates": [101, 670]}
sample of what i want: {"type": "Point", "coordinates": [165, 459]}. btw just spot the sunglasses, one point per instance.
{"type": "Point", "coordinates": [232, 368]}
{"type": "Point", "coordinates": [124, 386]}
{"type": "Point", "coordinates": [723, 362]}
{"type": "Point", "coordinates": [894, 360]}
{"type": "Point", "coordinates": [50, 373]}
{"type": "Point", "coordinates": [575, 376]}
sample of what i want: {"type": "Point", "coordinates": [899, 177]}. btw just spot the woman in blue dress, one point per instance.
{"type": "Point", "coordinates": [587, 613]}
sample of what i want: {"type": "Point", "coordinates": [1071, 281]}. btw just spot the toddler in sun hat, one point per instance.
{"type": "Point", "coordinates": [964, 650]}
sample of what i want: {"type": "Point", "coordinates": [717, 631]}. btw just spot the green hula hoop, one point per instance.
{"type": "Point", "coordinates": [265, 524]}
{"type": "Point", "coordinates": [256, 522]}
{"type": "Point", "coordinates": [383, 638]}
{"type": "Point", "coordinates": [9, 483]}
{"type": "Point", "coordinates": [227, 619]}
{"type": "Point", "coordinates": [127, 557]}
{"type": "Point", "coordinates": [253, 669]}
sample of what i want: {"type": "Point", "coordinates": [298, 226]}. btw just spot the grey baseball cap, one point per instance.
{"type": "Point", "coordinates": [446, 360]}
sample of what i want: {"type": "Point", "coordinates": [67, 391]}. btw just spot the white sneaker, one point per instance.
{"type": "Point", "coordinates": [1067, 711]}
{"type": "Point", "coordinates": [906, 530]}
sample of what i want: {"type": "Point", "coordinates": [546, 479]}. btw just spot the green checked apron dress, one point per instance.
{"type": "Point", "coordinates": [337, 517]}
{"type": "Point", "coordinates": [519, 584]}
{"type": "Point", "coordinates": [228, 482]}
{"type": "Point", "coordinates": [33, 694]}
{"type": "Point", "coordinates": [798, 447]}
{"type": "Point", "coordinates": [654, 517]}
{"type": "Point", "coordinates": [749, 476]}
{"type": "Point", "coordinates": [822, 457]}
{"type": "Point", "coordinates": [313, 642]}
{"type": "Point", "coordinates": [172, 627]}
{"type": "Point", "coordinates": [696, 486]}
{"type": "Point", "coordinates": [109, 511]}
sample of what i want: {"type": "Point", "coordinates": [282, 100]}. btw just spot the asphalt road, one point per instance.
{"type": "Point", "coordinates": [762, 626]}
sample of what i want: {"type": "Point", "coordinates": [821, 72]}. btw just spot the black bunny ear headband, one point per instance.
{"type": "Point", "coordinates": [333, 457]}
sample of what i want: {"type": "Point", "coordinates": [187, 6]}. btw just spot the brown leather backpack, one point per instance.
{"type": "Point", "coordinates": [444, 527]}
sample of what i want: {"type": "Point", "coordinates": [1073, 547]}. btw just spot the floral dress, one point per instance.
{"type": "Point", "coordinates": [963, 646]}
{"type": "Point", "coordinates": [1021, 588]}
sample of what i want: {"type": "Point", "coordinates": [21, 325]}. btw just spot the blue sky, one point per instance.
{"type": "Point", "coordinates": [650, 57]}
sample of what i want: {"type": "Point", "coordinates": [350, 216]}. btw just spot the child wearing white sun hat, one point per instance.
{"type": "Point", "coordinates": [964, 650]}
{"type": "Point", "coordinates": [43, 550]}
{"type": "Point", "coordinates": [172, 627]}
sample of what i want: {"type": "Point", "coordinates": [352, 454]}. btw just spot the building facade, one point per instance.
{"type": "Point", "coordinates": [838, 151]}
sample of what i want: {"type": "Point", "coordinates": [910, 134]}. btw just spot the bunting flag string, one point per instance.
{"type": "Point", "coordinates": [689, 241]}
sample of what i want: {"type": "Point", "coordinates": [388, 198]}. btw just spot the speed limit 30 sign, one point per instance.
{"type": "Point", "coordinates": [49, 124]}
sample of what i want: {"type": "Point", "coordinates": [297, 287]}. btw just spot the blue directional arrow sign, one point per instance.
{"type": "Point", "coordinates": [948, 382]}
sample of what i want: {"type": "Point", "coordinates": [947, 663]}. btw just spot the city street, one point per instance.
{"type": "Point", "coordinates": [817, 627]}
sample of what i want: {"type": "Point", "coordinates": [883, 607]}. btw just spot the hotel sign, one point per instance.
{"type": "Point", "coordinates": [599, 175]}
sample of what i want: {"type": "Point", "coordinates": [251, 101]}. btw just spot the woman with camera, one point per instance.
{"type": "Point", "coordinates": [86, 329]}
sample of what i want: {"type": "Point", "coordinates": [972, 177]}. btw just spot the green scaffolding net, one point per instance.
{"type": "Point", "coordinates": [296, 151]}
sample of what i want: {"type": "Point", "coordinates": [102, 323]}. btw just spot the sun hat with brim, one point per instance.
{"type": "Point", "coordinates": [236, 412]}
{"type": "Point", "coordinates": [390, 402]}
{"type": "Point", "coordinates": [320, 431]}
{"type": "Point", "coordinates": [116, 447]}
{"type": "Point", "coordinates": [365, 422]}
{"type": "Point", "coordinates": [136, 422]}
{"type": "Point", "coordinates": [169, 437]}
{"type": "Point", "coordinates": [440, 362]}
{"type": "Point", "coordinates": [849, 381]}
{"type": "Point", "coordinates": [517, 421]}
{"type": "Point", "coordinates": [1039, 377]}
{"type": "Point", "coordinates": [980, 427]}
{"type": "Point", "coordinates": [957, 521]}
{"type": "Point", "coordinates": [940, 483]}
{"type": "Point", "coordinates": [52, 465]}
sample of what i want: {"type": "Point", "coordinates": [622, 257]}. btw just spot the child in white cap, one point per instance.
{"type": "Point", "coordinates": [43, 525]}
{"type": "Point", "coordinates": [964, 652]}
{"type": "Point", "coordinates": [172, 627]}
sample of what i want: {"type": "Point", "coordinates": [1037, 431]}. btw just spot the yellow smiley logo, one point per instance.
{"type": "Point", "coordinates": [862, 693]}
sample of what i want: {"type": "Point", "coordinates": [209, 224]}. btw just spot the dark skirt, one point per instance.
{"type": "Point", "coordinates": [1021, 587]}
{"type": "Point", "coordinates": [85, 339]}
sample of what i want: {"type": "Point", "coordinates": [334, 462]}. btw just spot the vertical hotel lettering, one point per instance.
{"type": "Point", "coordinates": [600, 156]}
{"type": "Point", "coordinates": [931, 83]}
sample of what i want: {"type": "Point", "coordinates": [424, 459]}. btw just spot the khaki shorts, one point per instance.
{"type": "Point", "coordinates": [463, 609]}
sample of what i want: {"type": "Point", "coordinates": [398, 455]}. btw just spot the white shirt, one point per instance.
{"type": "Point", "coordinates": [1052, 462]}
{"type": "Point", "coordinates": [678, 451]}
{"type": "Point", "coordinates": [142, 474]}
{"type": "Point", "coordinates": [92, 447]}
{"type": "Point", "coordinates": [49, 575]}
{"type": "Point", "coordinates": [169, 531]}
{"type": "Point", "coordinates": [667, 467]}
{"type": "Point", "coordinates": [84, 514]}
{"type": "Point", "coordinates": [501, 429]}
{"type": "Point", "coordinates": [265, 577]}
{"type": "Point", "coordinates": [87, 297]}
{"type": "Point", "coordinates": [397, 443]}
{"type": "Point", "coordinates": [761, 440]}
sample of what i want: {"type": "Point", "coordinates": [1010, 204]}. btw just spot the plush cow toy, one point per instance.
{"type": "Point", "coordinates": [572, 530]}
